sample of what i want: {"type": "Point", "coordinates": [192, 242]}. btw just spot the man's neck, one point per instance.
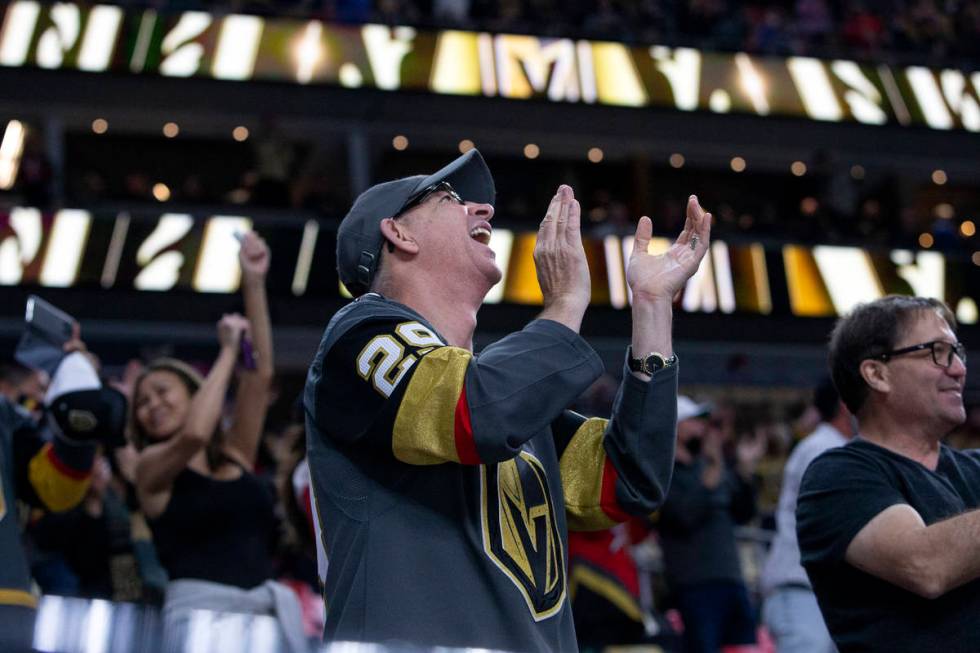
{"type": "Point", "coordinates": [909, 440]}
{"type": "Point", "coordinates": [452, 314]}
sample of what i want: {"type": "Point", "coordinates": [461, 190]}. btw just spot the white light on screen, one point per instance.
{"type": "Point", "coordinates": [66, 242]}
{"type": "Point", "coordinates": [97, 623]}
{"type": "Point", "coordinates": [813, 84]}
{"type": "Point", "coordinates": [616, 272]}
{"type": "Point", "coordinates": [929, 97]}
{"type": "Point", "coordinates": [966, 311]}
{"type": "Point", "coordinates": [385, 53]}
{"type": "Point", "coordinates": [308, 51]}
{"type": "Point", "coordinates": [964, 104]}
{"type": "Point", "coordinates": [752, 83]}
{"type": "Point", "coordinates": [501, 242]}
{"type": "Point", "coordinates": [160, 271]}
{"type": "Point", "coordinates": [100, 35]}
{"type": "Point", "coordinates": [18, 250]}
{"type": "Point", "coordinates": [60, 37]}
{"type": "Point", "coordinates": [18, 29]}
{"type": "Point", "coordinates": [11, 149]}
{"type": "Point", "coordinates": [682, 68]}
{"type": "Point", "coordinates": [183, 55]}
{"type": "Point", "coordinates": [305, 259]}
{"type": "Point", "coordinates": [49, 623]}
{"type": "Point", "coordinates": [848, 275]}
{"type": "Point", "coordinates": [723, 276]}
{"type": "Point", "coordinates": [924, 271]}
{"type": "Point", "coordinates": [238, 45]}
{"type": "Point", "coordinates": [862, 97]}
{"type": "Point", "coordinates": [218, 269]}
{"type": "Point", "coordinates": [114, 255]}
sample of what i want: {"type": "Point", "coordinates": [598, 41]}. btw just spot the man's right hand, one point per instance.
{"type": "Point", "coordinates": [559, 259]}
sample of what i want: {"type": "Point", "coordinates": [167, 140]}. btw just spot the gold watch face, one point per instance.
{"type": "Point", "coordinates": [654, 362]}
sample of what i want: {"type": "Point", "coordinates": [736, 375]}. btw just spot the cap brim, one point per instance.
{"type": "Point", "coordinates": [468, 175]}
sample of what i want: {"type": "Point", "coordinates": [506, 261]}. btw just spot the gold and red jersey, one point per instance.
{"type": "Point", "coordinates": [446, 482]}
{"type": "Point", "coordinates": [53, 475]}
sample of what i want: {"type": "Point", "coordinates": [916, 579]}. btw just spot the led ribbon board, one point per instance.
{"type": "Point", "coordinates": [106, 38]}
{"type": "Point", "coordinates": [176, 251]}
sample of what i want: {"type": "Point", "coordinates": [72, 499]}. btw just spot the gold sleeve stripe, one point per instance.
{"type": "Point", "coordinates": [606, 588]}
{"type": "Point", "coordinates": [425, 427]}
{"type": "Point", "coordinates": [57, 486]}
{"type": "Point", "coordinates": [582, 466]}
{"type": "Point", "coordinates": [18, 597]}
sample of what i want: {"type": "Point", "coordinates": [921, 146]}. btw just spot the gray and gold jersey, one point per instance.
{"type": "Point", "coordinates": [446, 482]}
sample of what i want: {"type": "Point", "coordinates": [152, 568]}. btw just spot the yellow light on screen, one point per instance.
{"type": "Point", "coordinates": [798, 168]}
{"type": "Point", "coordinates": [240, 133]}
{"type": "Point", "coordinates": [161, 192]}
{"type": "Point", "coordinates": [171, 129]}
{"type": "Point", "coordinates": [968, 229]}
{"type": "Point", "coordinates": [400, 143]}
{"type": "Point", "coordinates": [738, 164]}
{"type": "Point", "coordinates": [926, 240]}
{"type": "Point", "coordinates": [595, 154]}
{"type": "Point", "coordinates": [465, 146]}
{"type": "Point", "coordinates": [532, 151]}
{"type": "Point", "coordinates": [100, 125]}
{"type": "Point", "coordinates": [939, 177]}
{"type": "Point", "coordinates": [676, 160]}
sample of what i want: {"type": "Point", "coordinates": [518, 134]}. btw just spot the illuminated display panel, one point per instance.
{"type": "Point", "coordinates": [104, 38]}
{"type": "Point", "coordinates": [171, 251]}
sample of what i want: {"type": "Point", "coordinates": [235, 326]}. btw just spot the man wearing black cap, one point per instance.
{"type": "Point", "coordinates": [445, 481]}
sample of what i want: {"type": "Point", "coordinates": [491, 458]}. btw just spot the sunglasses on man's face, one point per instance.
{"type": "Point", "coordinates": [427, 192]}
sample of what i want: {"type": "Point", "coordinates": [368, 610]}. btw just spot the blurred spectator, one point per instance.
{"type": "Point", "coordinates": [48, 465]}
{"type": "Point", "coordinates": [790, 610]}
{"type": "Point", "coordinates": [697, 530]}
{"type": "Point", "coordinates": [23, 386]}
{"type": "Point", "coordinates": [213, 520]}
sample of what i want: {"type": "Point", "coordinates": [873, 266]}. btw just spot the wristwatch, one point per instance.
{"type": "Point", "coordinates": [651, 362]}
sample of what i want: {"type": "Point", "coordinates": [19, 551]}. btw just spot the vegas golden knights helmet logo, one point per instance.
{"type": "Point", "coordinates": [520, 532]}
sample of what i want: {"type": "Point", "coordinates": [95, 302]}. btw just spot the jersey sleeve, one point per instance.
{"type": "Point", "coordinates": [394, 385]}
{"type": "Point", "coordinates": [841, 492]}
{"type": "Point", "coordinates": [55, 474]}
{"type": "Point", "coordinates": [617, 468]}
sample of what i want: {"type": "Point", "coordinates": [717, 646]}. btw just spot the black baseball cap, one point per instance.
{"type": "Point", "coordinates": [359, 238]}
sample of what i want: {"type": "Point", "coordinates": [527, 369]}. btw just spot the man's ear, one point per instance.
{"type": "Point", "coordinates": [875, 374]}
{"type": "Point", "coordinates": [399, 236]}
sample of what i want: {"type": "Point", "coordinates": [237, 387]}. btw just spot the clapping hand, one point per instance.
{"type": "Point", "coordinates": [660, 276]}
{"type": "Point", "coordinates": [560, 263]}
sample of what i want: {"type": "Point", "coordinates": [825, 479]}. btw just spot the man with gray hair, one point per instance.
{"type": "Point", "coordinates": [888, 524]}
{"type": "Point", "coordinates": [446, 481]}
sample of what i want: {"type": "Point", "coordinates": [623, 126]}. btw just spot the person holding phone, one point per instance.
{"type": "Point", "coordinates": [212, 518]}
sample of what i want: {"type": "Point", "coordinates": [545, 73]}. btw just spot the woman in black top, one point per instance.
{"type": "Point", "coordinates": [212, 518]}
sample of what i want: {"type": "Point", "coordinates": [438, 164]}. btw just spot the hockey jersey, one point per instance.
{"type": "Point", "coordinates": [446, 482]}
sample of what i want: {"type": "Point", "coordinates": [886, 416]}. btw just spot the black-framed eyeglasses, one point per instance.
{"type": "Point", "coordinates": [942, 352]}
{"type": "Point", "coordinates": [427, 192]}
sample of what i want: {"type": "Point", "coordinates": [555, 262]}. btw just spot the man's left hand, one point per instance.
{"type": "Point", "coordinates": [658, 277]}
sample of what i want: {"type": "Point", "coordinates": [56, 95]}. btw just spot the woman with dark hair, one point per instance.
{"type": "Point", "coordinates": [213, 519]}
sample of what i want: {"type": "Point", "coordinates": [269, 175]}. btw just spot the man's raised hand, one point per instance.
{"type": "Point", "coordinates": [658, 277]}
{"type": "Point", "coordinates": [559, 259]}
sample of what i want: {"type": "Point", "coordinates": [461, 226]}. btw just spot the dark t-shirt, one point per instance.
{"type": "Point", "coordinates": [842, 490]}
